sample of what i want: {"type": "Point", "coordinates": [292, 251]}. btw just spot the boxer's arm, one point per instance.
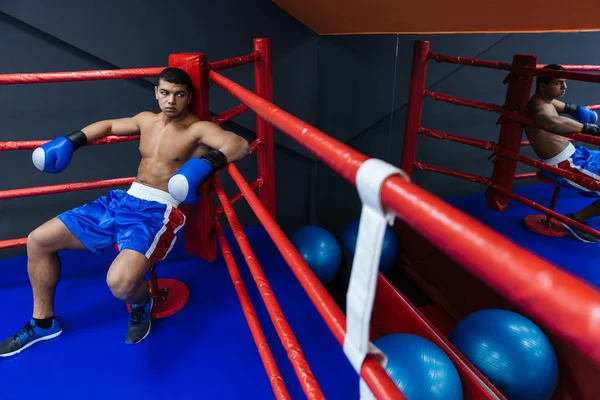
{"type": "Point", "coordinates": [553, 123]}
{"type": "Point", "coordinates": [118, 127]}
{"type": "Point", "coordinates": [580, 113]}
{"type": "Point", "coordinates": [559, 106]}
{"type": "Point", "coordinates": [226, 147]}
{"type": "Point", "coordinates": [231, 145]}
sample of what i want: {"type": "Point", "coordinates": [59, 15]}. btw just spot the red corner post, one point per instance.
{"type": "Point", "coordinates": [517, 96]}
{"type": "Point", "coordinates": [263, 83]}
{"type": "Point", "coordinates": [199, 234]}
{"type": "Point", "coordinates": [415, 105]}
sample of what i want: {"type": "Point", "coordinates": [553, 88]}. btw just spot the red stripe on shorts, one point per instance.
{"type": "Point", "coordinates": [175, 220]}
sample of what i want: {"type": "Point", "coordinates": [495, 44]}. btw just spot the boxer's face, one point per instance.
{"type": "Point", "coordinates": [173, 98]}
{"type": "Point", "coordinates": [556, 88]}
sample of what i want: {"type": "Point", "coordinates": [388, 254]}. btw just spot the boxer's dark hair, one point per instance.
{"type": "Point", "coordinates": [547, 80]}
{"type": "Point", "coordinates": [176, 76]}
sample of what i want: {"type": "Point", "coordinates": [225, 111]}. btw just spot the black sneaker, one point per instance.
{"type": "Point", "coordinates": [140, 322]}
{"type": "Point", "coordinates": [584, 237]}
{"type": "Point", "coordinates": [28, 336]}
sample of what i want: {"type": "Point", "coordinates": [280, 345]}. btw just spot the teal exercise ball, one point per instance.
{"type": "Point", "coordinates": [389, 251]}
{"type": "Point", "coordinates": [420, 369]}
{"type": "Point", "coordinates": [510, 351]}
{"type": "Point", "coordinates": [320, 250]}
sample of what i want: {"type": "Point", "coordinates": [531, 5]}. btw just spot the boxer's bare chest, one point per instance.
{"type": "Point", "coordinates": [172, 143]}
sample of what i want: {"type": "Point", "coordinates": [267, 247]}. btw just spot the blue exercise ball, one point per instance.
{"type": "Point", "coordinates": [320, 250]}
{"type": "Point", "coordinates": [389, 251]}
{"type": "Point", "coordinates": [420, 369]}
{"type": "Point", "coordinates": [510, 351]}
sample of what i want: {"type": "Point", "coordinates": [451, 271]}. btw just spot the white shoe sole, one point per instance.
{"type": "Point", "coordinates": [32, 343]}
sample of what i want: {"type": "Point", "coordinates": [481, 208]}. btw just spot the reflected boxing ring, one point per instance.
{"type": "Point", "coordinates": [504, 266]}
{"type": "Point", "coordinates": [579, 368]}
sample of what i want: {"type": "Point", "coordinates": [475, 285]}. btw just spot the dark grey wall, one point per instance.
{"type": "Point", "coordinates": [363, 93]}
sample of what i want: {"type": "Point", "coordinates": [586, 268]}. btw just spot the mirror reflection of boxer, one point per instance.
{"type": "Point", "coordinates": [179, 153]}
{"type": "Point", "coordinates": [556, 150]}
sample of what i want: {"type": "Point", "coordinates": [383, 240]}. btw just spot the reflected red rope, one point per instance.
{"type": "Point", "coordinates": [578, 76]}
{"type": "Point", "coordinates": [446, 98]}
{"type": "Point", "coordinates": [580, 137]}
{"type": "Point", "coordinates": [524, 200]}
{"type": "Point", "coordinates": [66, 187]}
{"type": "Point", "coordinates": [284, 331]}
{"type": "Point", "coordinates": [481, 144]}
{"type": "Point", "coordinates": [525, 175]}
{"type": "Point", "coordinates": [262, 345]}
{"type": "Point", "coordinates": [575, 67]}
{"type": "Point", "coordinates": [34, 144]}
{"type": "Point", "coordinates": [584, 180]}
{"type": "Point", "coordinates": [474, 62]}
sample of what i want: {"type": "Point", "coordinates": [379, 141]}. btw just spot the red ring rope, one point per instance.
{"type": "Point", "coordinates": [262, 345]}
{"type": "Point", "coordinates": [284, 331]}
{"type": "Point", "coordinates": [34, 144]}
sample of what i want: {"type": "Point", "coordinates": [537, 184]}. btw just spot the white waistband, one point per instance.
{"type": "Point", "coordinates": [562, 156]}
{"type": "Point", "coordinates": [152, 194]}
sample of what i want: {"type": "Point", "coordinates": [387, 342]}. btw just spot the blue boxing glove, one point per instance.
{"type": "Point", "coordinates": [184, 185]}
{"type": "Point", "coordinates": [55, 156]}
{"type": "Point", "coordinates": [581, 113]}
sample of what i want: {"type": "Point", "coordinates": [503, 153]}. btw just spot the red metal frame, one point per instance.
{"type": "Point", "coordinates": [263, 82]}
{"type": "Point", "coordinates": [415, 106]}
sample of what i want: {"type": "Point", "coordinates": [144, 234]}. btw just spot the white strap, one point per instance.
{"type": "Point", "coordinates": [365, 266]}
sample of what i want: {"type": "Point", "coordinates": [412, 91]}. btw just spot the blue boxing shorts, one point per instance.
{"type": "Point", "coordinates": [579, 160]}
{"type": "Point", "coordinates": [143, 219]}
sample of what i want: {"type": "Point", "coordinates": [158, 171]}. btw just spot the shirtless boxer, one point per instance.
{"type": "Point", "coordinates": [556, 150]}
{"type": "Point", "coordinates": [179, 152]}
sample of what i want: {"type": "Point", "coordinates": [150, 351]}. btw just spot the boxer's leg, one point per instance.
{"type": "Point", "coordinates": [149, 233]}
{"type": "Point", "coordinates": [90, 226]}
{"type": "Point", "coordinates": [126, 279]}
{"type": "Point", "coordinates": [584, 162]}
{"type": "Point", "coordinates": [591, 211]}
{"type": "Point", "coordinates": [43, 264]}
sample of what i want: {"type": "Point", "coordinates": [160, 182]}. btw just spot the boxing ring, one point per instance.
{"type": "Point", "coordinates": [257, 323]}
